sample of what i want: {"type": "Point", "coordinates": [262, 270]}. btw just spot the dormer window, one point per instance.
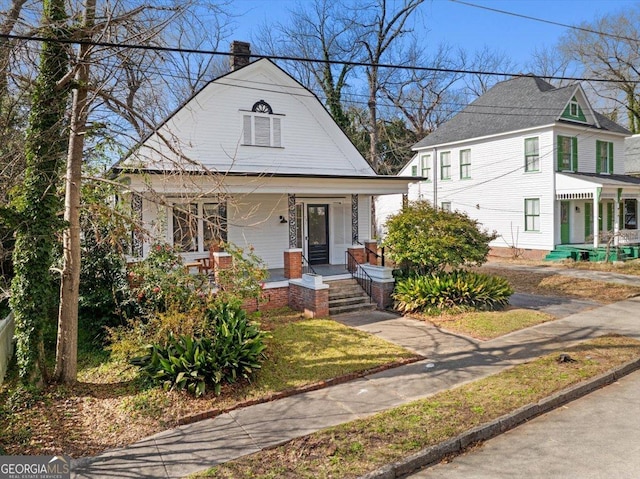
{"type": "Point", "coordinates": [262, 127]}
{"type": "Point", "coordinates": [573, 111]}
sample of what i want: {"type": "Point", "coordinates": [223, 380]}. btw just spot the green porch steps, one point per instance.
{"type": "Point", "coordinates": [563, 252]}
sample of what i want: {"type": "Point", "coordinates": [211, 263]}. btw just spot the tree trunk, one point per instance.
{"type": "Point", "coordinates": [67, 341]}
{"type": "Point", "coordinates": [37, 204]}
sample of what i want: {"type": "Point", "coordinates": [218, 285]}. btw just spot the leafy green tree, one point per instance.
{"type": "Point", "coordinates": [36, 206]}
{"type": "Point", "coordinates": [422, 240]}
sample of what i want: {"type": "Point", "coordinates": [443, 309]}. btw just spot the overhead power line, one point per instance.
{"type": "Point", "coordinates": [543, 20]}
{"type": "Point", "coordinates": [132, 46]}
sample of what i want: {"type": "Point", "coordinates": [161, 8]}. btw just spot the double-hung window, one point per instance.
{"type": "Point", "coordinates": [426, 167]}
{"type": "Point", "coordinates": [567, 153]}
{"type": "Point", "coordinates": [446, 206]}
{"type": "Point", "coordinates": [414, 170]}
{"type": "Point", "coordinates": [531, 154]}
{"type": "Point", "coordinates": [465, 164]}
{"type": "Point", "coordinates": [604, 157]}
{"type": "Point", "coordinates": [532, 214]}
{"type": "Point", "coordinates": [445, 165]}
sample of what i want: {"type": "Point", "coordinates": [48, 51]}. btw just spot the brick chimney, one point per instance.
{"type": "Point", "coordinates": [240, 53]}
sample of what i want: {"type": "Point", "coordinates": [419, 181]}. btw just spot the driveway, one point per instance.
{"type": "Point", "coordinates": [597, 436]}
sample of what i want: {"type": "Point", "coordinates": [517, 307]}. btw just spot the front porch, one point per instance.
{"type": "Point", "coordinates": [587, 252]}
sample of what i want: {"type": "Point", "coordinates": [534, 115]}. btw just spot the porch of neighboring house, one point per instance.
{"type": "Point", "coordinates": [596, 218]}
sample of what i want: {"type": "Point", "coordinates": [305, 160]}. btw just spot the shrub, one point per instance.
{"type": "Point", "coordinates": [422, 240]}
{"type": "Point", "coordinates": [161, 282]}
{"type": "Point", "coordinates": [457, 290]}
{"type": "Point", "coordinates": [232, 348]}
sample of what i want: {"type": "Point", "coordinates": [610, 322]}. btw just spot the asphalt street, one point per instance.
{"type": "Point", "coordinates": [597, 436]}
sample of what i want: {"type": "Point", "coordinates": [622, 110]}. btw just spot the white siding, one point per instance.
{"type": "Point", "coordinates": [495, 193]}
{"type": "Point", "coordinates": [254, 220]}
{"type": "Point", "coordinates": [209, 129]}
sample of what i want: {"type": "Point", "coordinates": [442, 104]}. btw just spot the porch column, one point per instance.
{"type": "Point", "coordinates": [596, 217]}
{"type": "Point", "coordinates": [293, 227]}
{"type": "Point", "coordinates": [293, 263]}
{"type": "Point", "coordinates": [354, 219]}
{"type": "Point", "coordinates": [616, 219]}
{"type": "Point", "coordinates": [136, 240]}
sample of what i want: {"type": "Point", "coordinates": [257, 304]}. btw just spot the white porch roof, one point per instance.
{"type": "Point", "coordinates": [245, 183]}
{"type": "Point", "coordinates": [575, 186]}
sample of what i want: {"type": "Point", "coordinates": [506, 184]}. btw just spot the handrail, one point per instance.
{"type": "Point", "coordinates": [359, 274]}
{"type": "Point", "coordinates": [306, 267]}
{"type": "Point", "coordinates": [374, 253]}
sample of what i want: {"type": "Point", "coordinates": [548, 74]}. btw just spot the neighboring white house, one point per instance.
{"type": "Point", "coordinates": [533, 162]}
{"type": "Point", "coordinates": [254, 158]}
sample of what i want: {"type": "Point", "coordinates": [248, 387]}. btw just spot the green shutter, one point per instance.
{"type": "Point", "coordinates": [574, 154]}
{"type": "Point", "coordinates": [611, 158]}
{"type": "Point", "coordinates": [598, 156]}
{"type": "Point", "coordinates": [559, 159]}
{"type": "Point", "coordinates": [609, 216]}
{"type": "Point", "coordinates": [588, 220]}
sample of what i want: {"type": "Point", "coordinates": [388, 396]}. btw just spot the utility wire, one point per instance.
{"type": "Point", "coordinates": [296, 59]}
{"type": "Point", "coordinates": [550, 22]}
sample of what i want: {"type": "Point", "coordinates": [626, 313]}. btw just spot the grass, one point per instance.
{"type": "Point", "coordinates": [112, 407]}
{"type": "Point", "coordinates": [355, 448]}
{"type": "Point", "coordinates": [489, 324]}
{"type": "Point", "coordinates": [553, 283]}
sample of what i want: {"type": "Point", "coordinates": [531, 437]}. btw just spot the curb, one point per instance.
{"type": "Point", "coordinates": [457, 445]}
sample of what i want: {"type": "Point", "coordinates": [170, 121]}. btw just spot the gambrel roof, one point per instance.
{"type": "Point", "coordinates": [517, 104]}
{"type": "Point", "coordinates": [256, 120]}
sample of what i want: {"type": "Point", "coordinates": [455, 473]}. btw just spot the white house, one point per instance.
{"type": "Point", "coordinates": [255, 159]}
{"type": "Point", "coordinates": [536, 164]}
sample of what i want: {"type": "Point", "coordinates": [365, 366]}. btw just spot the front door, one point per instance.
{"type": "Point", "coordinates": [565, 230]}
{"type": "Point", "coordinates": [318, 234]}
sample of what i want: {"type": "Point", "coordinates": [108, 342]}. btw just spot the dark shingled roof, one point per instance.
{"type": "Point", "coordinates": [515, 104]}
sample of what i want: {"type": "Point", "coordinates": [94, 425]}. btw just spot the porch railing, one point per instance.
{"type": "Point", "coordinates": [378, 256]}
{"type": "Point", "coordinates": [306, 267]}
{"type": "Point", "coordinates": [360, 275]}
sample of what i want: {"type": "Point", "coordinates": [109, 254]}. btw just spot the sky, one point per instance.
{"type": "Point", "coordinates": [464, 26]}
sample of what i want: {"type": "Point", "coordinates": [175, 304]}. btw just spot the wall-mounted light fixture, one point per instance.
{"type": "Point", "coordinates": [577, 209]}
{"type": "Point", "coordinates": [283, 219]}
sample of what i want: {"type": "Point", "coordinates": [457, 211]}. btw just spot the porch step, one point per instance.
{"type": "Point", "coordinates": [346, 296]}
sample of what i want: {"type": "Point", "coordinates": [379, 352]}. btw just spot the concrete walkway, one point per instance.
{"type": "Point", "coordinates": [451, 360]}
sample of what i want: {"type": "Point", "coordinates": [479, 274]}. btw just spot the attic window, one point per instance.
{"type": "Point", "coordinates": [573, 111]}
{"type": "Point", "coordinates": [261, 127]}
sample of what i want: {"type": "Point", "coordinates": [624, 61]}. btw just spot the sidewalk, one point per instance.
{"type": "Point", "coordinates": [451, 360]}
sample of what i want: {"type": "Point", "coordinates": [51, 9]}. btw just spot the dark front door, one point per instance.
{"type": "Point", "coordinates": [318, 234]}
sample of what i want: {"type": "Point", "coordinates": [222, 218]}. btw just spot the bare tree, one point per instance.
{"type": "Point", "coordinates": [548, 63]}
{"type": "Point", "coordinates": [380, 24]}
{"type": "Point", "coordinates": [609, 49]}
{"type": "Point", "coordinates": [485, 62]}
{"type": "Point", "coordinates": [320, 30]}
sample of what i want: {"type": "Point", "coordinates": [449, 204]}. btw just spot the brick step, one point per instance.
{"type": "Point", "coordinates": [346, 293]}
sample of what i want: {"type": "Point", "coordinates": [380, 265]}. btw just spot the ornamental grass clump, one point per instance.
{"type": "Point", "coordinates": [451, 291]}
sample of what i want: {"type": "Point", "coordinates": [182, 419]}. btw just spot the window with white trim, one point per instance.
{"type": "Point", "coordinates": [531, 154]}
{"type": "Point", "coordinates": [446, 206]}
{"type": "Point", "coordinates": [465, 164]}
{"type": "Point", "coordinates": [414, 170]}
{"type": "Point", "coordinates": [194, 226]}
{"type": "Point", "coordinates": [445, 165]}
{"type": "Point", "coordinates": [426, 166]}
{"type": "Point", "coordinates": [532, 214]}
{"type": "Point", "coordinates": [261, 127]}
